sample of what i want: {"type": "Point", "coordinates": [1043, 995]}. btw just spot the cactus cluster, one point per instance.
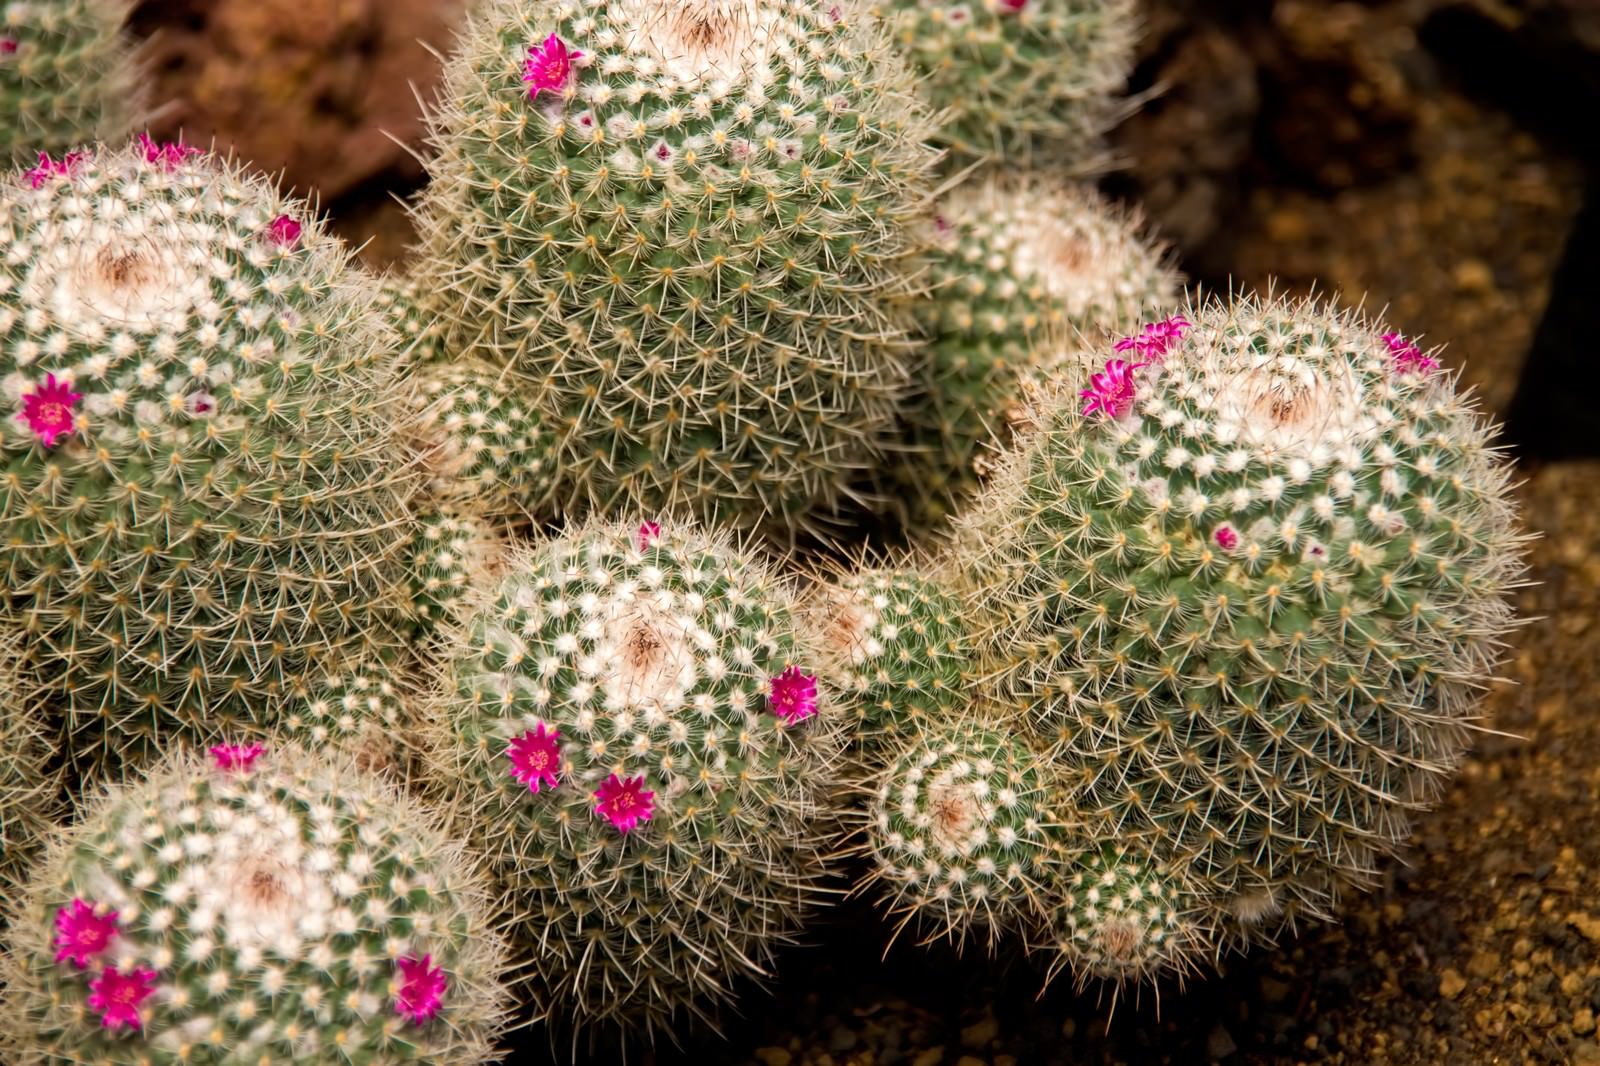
{"type": "Point", "coordinates": [27, 785]}
{"type": "Point", "coordinates": [254, 906]}
{"type": "Point", "coordinates": [679, 227]}
{"type": "Point", "coordinates": [66, 77]}
{"type": "Point", "coordinates": [632, 733]}
{"type": "Point", "coordinates": [208, 484]}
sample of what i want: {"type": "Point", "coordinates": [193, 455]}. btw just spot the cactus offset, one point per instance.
{"type": "Point", "coordinates": [209, 486]}
{"type": "Point", "coordinates": [630, 732]}
{"type": "Point", "coordinates": [66, 79]}
{"type": "Point", "coordinates": [363, 709]}
{"type": "Point", "coordinates": [254, 907]}
{"type": "Point", "coordinates": [680, 225]}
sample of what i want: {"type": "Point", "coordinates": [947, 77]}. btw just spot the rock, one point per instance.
{"type": "Point", "coordinates": [1485, 964]}
{"type": "Point", "coordinates": [1451, 983]}
{"type": "Point", "coordinates": [1220, 1043]}
{"type": "Point", "coordinates": [980, 1033]}
{"type": "Point", "coordinates": [970, 1060]}
{"type": "Point", "coordinates": [931, 1057]}
{"type": "Point", "coordinates": [1583, 1021]}
{"type": "Point", "coordinates": [774, 1056]}
{"type": "Point", "coordinates": [1585, 1054]}
{"type": "Point", "coordinates": [1586, 924]}
{"type": "Point", "coordinates": [842, 1038]}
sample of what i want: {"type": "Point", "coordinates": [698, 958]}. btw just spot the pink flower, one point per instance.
{"type": "Point", "coordinates": [47, 412]}
{"type": "Point", "coordinates": [422, 988]}
{"type": "Point", "coordinates": [1226, 538]}
{"type": "Point", "coordinates": [284, 232]}
{"type": "Point", "coordinates": [200, 404]}
{"type": "Point", "coordinates": [794, 696]}
{"type": "Point", "coordinates": [167, 154]}
{"type": "Point", "coordinates": [241, 757]}
{"type": "Point", "coordinates": [1408, 357]}
{"type": "Point", "coordinates": [535, 757]}
{"type": "Point", "coordinates": [835, 13]}
{"type": "Point", "coordinates": [117, 996]}
{"type": "Point", "coordinates": [1157, 338]}
{"type": "Point", "coordinates": [549, 66]}
{"type": "Point", "coordinates": [624, 802]}
{"type": "Point", "coordinates": [1013, 5]}
{"type": "Point", "coordinates": [1111, 391]}
{"type": "Point", "coordinates": [80, 932]}
{"type": "Point", "coordinates": [649, 535]}
{"type": "Point", "coordinates": [8, 46]}
{"type": "Point", "coordinates": [49, 169]}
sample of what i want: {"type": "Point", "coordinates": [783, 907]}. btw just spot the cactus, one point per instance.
{"type": "Point", "coordinates": [363, 708]}
{"type": "Point", "coordinates": [630, 732]}
{"type": "Point", "coordinates": [409, 308]}
{"type": "Point", "coordinates": [959, 828]}
{"type": "Point", "coordinates": [1266, 563]}
{"type": "Point", "coordinates": [1028, 272]}
{"type": "Point", "coordinates": [1022, 80]}
{"type": "Point", "coordinates": [447, 553]}
{"type": "Point", "coordinates": [896, 643]}
{"type": "Point", "coordinates": [209, 486]}
{"type": "Point", "coordinates": [255, 907]}
{"type": "Point", "coordinates": [682, 226]}
{"type": "Point", "coordinates": [27, 784]}
{"type": "Point", "coordinates": [66, 79]}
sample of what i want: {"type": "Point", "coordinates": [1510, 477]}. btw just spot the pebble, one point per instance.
{"type": "Point", "coordinates": [980, 1033]}
{"type": "Point", "coordinates": [774, 1056]}
{"type": "Point", "coordinates": [1451, 983]}
{"type": "Point", "coordinates": [931, 1057]}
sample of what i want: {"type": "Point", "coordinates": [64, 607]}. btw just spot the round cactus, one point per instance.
{"type": "Point", "coordinates": [27, 785]}
{"type": "Point", "coordinates": [897, 646]}
{"type": "Point", "coordinates": [254, 907]}
{"type": "Point", "coordinates": [681, 224]}
{"type": "Point", "coordinates": [959, 829]}
{"type": "Point", "coordinates": [363, 709]}
{"type": "Point", "coordinates": [631, 733]}
{"type": "Point", "coordinates": [1027, 272]}
{"type": "Point", "coordinates": [208, 479]}
{"type": "Point", "coordinates": [66, 79]}
{"type": "Point", "coordinates": [447, 553]}
{"type": "Point", "coordinates": [1022, 80]}
{"type": "Point", "coordinates": [409, 309]}
{"type": "Point", "coordinates": [1267, 554]}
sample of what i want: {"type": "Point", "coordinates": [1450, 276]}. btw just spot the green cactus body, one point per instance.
{"type": "Point", "coordinates": [1269, 571]}
{"type": "Point", "coordinates": [959, 830]}
{"type": "Point", "coordinates": [897, 647]}
{"type": "Point", "coordinates": [1022, 80]}
{"type": "Point", "coordinates": [208, 487]}
{"type": "Point", "coordinates": [449, 551]}
{"type": "Point", "coordinates": [409, 309]}
{"type": "Point", "coordinates": [491, 454]}
{"type": "Point", "coordinates": [27, 785]}
{"type": "Point", "coordinates": [1027, 272]}
{"type": "Point", "coordinates": [681, 224]}
{"type": "Point", "coordinates": [66, 79]}
{"type": "Point", "coordinates": [363, 709]}
{"type": "Point", "coordinates": [630, 736]}
{"type": "Point", "coordinates": [287, 908]}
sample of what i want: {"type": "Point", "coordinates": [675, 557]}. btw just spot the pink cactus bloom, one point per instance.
{"type": "Point", "coordinates": [1111, 391]}
{"type": "Point", "coordinates": [1013, 5]}
{"type": "Point", "coordinates": [1157, 338]}
{"type": "Point", "coordinates": [536, 757]}
{"type": "Point", "coordinates": [549, 67]}
{"type": "Point", "coordinates": [1408, 357]}
{"type": "Point", "coordinates": [8, 46]}
{"type": "Point", "coordinates": [1226, 538]}
{"type": "Point", "coordinates": [285, 232]}
{"type": "Point", "coordinates": [47, 411]}
{"type": "Point", "coordinates": [649, 535]}
{"type": "Point", "coordinates": [422, 988]}
{"type": "Point", "coordinates": [117, 997]}
{"type": "Point", "coordinates": [166, 154]}
{"type": "Point", "coordinates": [49, 169]}
{"type": "Point", "coordinates": [80, 932]}
{"type": "Point", "coordinates": [237, 757]}
{"type": "Point", "coordinates": [623, 802]}
{"type": "Point", "coordinates": [794, 696]}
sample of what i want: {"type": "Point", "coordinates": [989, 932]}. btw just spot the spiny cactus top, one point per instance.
{"type": "Point", "coordinates": [66, 79]}
{"type": "Point", "coordinates": [206, 483]}
{"type": "Point", "coordinates": [634, 734]}
{"type": "Point", "coordinates": [677, 221]}
{"type": "Point", "coordinates": [1028, 272]}
{"type": "Point", "coordinates": [1268, 548]}
{"type": "Point", "coordinates": [1022, 80]}
{"type": "Point", "coordinates": [254, 906]}
{"type": "Point", "coordinates": [360, 708]}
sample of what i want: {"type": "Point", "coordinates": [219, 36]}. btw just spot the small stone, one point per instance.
{"type": "Point", "coordinates": [970, 1060]}
{"type": "Point", "coordinates": [1451, 983]}
{"type": "Point", "coordinates": [1220, 1043]}
{"type": "Point", "coordinates": [1586, 924]}
{"type": "Point", "coordinates": [1583, 1021]}
{"type": "Point", "coordinates": [980, 1033]}
{"type": "Point", "coordinates": [1474, 275]}
{"type": "Point", "coordinates": [774, 1056]}
{"type": "Point", "coordinates": [843, 1038]}
{"type": "Point", "coordinates": [931, 1057]}
{"type": "Point", "coordinates": [1485, 964]}
{"type": "Point", "coordinates": [1585, 1054]}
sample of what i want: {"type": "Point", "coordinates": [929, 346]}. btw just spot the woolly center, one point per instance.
{"type": "Point", "coordinates": [848, 625]}
{"type": "Point", "coordinates": [696, 41]}
{"type": "Point", "coordinates": [1286, 406]}
{"type": "Point", "coordinates": [1119, 939]}
{"type": "Point", "coordinates": [120, 279]}
{"type": "Point", "coordinates": [953, 813]}
{"type": "Point", "coordinates": [646, 656]}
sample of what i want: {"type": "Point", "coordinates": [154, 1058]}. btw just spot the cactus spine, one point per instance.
{"type": "Point", "coordinates": [65, 77]}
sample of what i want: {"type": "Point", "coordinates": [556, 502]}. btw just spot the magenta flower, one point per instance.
{"type": "Point", "coordinates": [284, 232]}
{"type": "Point", "coordinates": [117, 996]}
{"type": "Point", "coordinates": [535, 757]}
{"type": "Point", "coordinates": [80, 932]}
{"type": "Point", "coordinates": [1226, 538]}
{"type": "Point", "coordinates": [1407, 356]}
{"type": "Point", "coordinates": [549, 66]}
{"type": "Point", "coordinates": [1013, 5]}
{"type": "Point", "coordinates": [794, 696]}
{"type": "Point", "coordinates": [8, 46]}
{"type": "Point", "coordinates": [1111, 391]}
{"type": "Point", "coordinates": [49, 169]}
{"type": "Point", "coordinates": [166, 154]}
{"type": "Point", "coordinates": [1157, 338]}
{"type": "Point", "coordinates": [623, 801]}
{"type": "Point", "coordinates": [47, 411]}
{"type": "Point", "coordinates": [649, 535]}
{"type": "Point", "coordinates": [241, 757]}
{"type": "Point", "coordinates": [422, 988]}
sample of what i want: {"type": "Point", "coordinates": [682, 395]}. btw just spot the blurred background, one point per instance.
{"type": "Point", "coordinates": [1436, 158]}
